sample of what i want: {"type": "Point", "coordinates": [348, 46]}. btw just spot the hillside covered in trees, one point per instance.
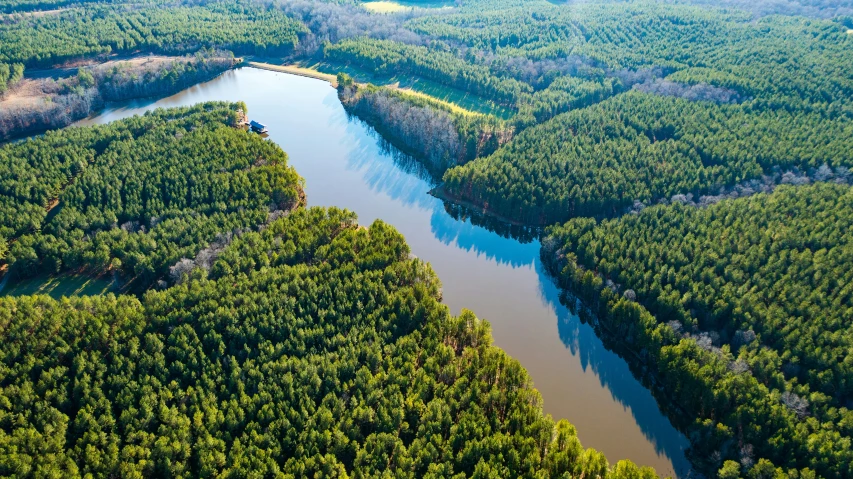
{"type": "Point", "coordinates": [652, 136]}
{"type": "Point", "coordinates": [740, 311]}
{"type": "Point", "coordinates": [39, 104]}
{"type": "Point", "coordinates": [296, 343]}
{"type": "Point", "coordinates": [440, 137]}
{"type": "Point", "coordinates": [642, 147]}
{"type": "Point", "coordinates": [94, 29]}
{"type": "Point", "coordinates": [136, 196]}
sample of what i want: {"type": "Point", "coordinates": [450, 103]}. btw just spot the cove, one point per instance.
{"type": "Point", "coordinates": [501, 279]}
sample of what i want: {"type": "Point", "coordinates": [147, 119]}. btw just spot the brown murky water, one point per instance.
{"type": "Point", "coordinates": [501, 279]}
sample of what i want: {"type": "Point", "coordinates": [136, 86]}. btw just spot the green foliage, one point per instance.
{"type": "Point", "coordinates": [389, 57]}
{"type": "Point", "coordinates": [600, 159]}
{"type": "Point", "coordinates": [440, 137]}
{"type": "Point", "coordinates": [9, 75]}
{"type": "Point", "coordinates": [564, 94]}
{"type": "Point", "coordinates": [242, 27]}
{"type": "Point", "coordinates": [730, 470]}
{"type": "Point", "coordinates": [784, 61]}
{"type": "Point", "coordinates": [742, 313]}
{"type": "Point", "coordinates": [146, 191]}
{"type": "Point", "coordinates": [85, 78]}
{"type": "Point", "coordinates": [316, 349]}
{"type": "Point", "coordinates": [344, 80]}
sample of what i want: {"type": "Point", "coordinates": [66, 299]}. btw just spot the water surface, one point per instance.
{"type": "Point", "coordinates": [502, 280]}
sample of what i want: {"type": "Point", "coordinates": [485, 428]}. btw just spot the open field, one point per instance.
{"type": "Point", "coordinates": [464, 100]}
{"type": "Point", "coordinates": [58, 286]}
{"type": "Point", "coordinates": [26, 93]}
{"type": "Point", "coordinates": [452, 106]}
{"type": "Point", "coordinates": [385, 6]}
{"type": "Point", "coordinates": [38, 85]}
{"type": "Point", "coordinates": [35, 14]}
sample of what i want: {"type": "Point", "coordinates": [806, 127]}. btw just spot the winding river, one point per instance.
{"type": "Point", "coordinates": [502, 280]}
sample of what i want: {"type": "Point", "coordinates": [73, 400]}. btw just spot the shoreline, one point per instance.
{"type": "Point", "coordinates": [294, 70]}
{"type": "Point", "coordinates": [441, 193]}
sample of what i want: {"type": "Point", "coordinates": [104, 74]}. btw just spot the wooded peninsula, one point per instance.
{"type": "Point", "coordinates": [685, 165]}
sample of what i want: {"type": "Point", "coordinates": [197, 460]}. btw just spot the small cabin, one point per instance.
{"type": "Point", "coordinates": [258, 127]}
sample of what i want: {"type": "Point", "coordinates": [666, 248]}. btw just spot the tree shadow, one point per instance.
{"type": "Point", "coordinates": [614, 374]}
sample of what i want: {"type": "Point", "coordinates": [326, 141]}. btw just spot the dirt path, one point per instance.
{"type": "Point", "coordinates": [296, 70]}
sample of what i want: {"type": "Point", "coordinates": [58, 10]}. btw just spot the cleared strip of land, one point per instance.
{"type": "Point", "coordinates": [296, 70]}
{"type": "Point", "coordinates": [384, 7]}
{"type": "Point", "coordinates": [452, 106]}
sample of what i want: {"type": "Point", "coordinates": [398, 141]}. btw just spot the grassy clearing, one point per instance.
{"type": "Point", "coordinates": [452, 106]}
{"type": "Point", "coordinates": [384, 7]}
{"type": "Point", "coordinates": [60, 285]}
{"type": "Point", "coordinates": [464, 100]}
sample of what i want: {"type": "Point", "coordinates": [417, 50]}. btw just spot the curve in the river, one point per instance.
{"type": "Point", "coordinates": [499, 278]}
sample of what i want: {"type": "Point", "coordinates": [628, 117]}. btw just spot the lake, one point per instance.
{"type": "Point", "coordinates": [501, 279]}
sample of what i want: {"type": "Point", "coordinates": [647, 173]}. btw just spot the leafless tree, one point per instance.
{"type": "Point", "coordinates": [181, 269]}
{"type": "Point", "coordinates": [697, 92]}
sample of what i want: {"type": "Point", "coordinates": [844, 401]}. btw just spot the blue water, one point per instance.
{"type": "Point", "coordinates": [501, 279]}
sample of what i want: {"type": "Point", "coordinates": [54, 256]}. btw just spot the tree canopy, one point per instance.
{"type": "Point", "coordinates": [742, 312]}
{"type": "Point", "coordinates": [138, 195]}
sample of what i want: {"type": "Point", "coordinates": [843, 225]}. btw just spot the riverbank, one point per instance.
{"type": "Point", "coordinates": [44, 102]}
{"type": "Point", "coordinates": [345, 163]}
{"type": "Point", "coordinates": [441, 193]}
{"type": "Point", "coordinates": [295, 70]}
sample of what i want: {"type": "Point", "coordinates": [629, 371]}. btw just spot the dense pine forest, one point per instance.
{"type": "Point", "coordinates": [75, 33]}
{"type": "Point", "coordinates": [295, 344]}
{"type": "Point", "coordinates": [134, 197]}
{"type": "Point", "coordinates": [690, 161]}
{"type": "Point", "coordinates": [741, 311]}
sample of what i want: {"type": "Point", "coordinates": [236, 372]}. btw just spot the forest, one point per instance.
{"type": "Point", "coordinates": [640, 147]}
{"type": "Point", "coordinates": [740, 312]}
{"type": "Point", "coordinates": [136, 197]}
{"type": "Point", "coordinates": [49, 40]}
{"type": "Point", "coordinates": [10, 75]}
{"type": "Point", "coordinates": [54, 103]}
{"type": "Point", "coordinates": [553, 65]}
{"type": "Point", "coordinates": [745, 134]}
{"type": "Point", "coordinates": [690, 160]}
{"type": "Point", "coordinates": [438, 136]}
{"type": "Point", "coordinates": [297, 344]}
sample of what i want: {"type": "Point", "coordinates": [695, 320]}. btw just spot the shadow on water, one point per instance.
{"type": "Point", "coordinates": [345, 163]}
{"type": "Point", "coordinates": [579, 338]}
{"type": "Point", "coordinates": [382, 173]}
{"type": "Point", "coordinates": [467, 236]}
{"type": "Point", "coordinates": [613, 373]}
{"type": "Point", "coordinates": [403, 179]}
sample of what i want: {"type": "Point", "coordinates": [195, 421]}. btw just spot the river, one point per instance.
{"type": "Point", "coordinates": [501, 279]}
